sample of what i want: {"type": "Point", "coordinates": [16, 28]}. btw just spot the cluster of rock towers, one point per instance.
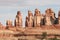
{"type": "Point", "coordinates": [36, 20]}
{"type": "Point", "coordinates": [39, 19]}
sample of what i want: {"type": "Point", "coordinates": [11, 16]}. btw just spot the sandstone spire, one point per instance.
{"type": "Point", "coordinates": [18, 20]}
{"type": "Point", "coordinates": [9, 23]}
{"type": "Point", "coordinates": [50, 17]}
{"type": "Point", "coordinates": [37, 18]}
{"type": "Point", "coordinates": [29, 19]}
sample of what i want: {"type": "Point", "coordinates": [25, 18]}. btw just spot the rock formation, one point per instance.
{"type": "Point", "coordinates": [1, 26]}
{"type": "Point", "coordinates": [35, 24]}
{"type": "Point", "coordinates": [59, 17]}
{"type": "Point", "coordinates": [42, 19]}
{"type": "Point", "coordinates": [18, 20]}
{"type": "Point", "coordinates": [37, 18]}
{"type": "Point", "coordinates": [9, 23]}
{"type": "Point", "coordinates": [50, 17]}
{"type": "Point", "coordinates": [26, 22]}
{"type": "Point", "coordinates": [29, 19]}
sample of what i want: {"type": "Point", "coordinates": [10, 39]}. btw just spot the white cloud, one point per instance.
{"type": "Point", "coordinates": [39, 2]}
{"type": "Point", "coordinates": [22, 3]}
{"type": "Point", "coordinates": [8, 2]}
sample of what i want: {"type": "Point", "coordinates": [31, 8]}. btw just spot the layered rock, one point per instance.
{"type": "Point", "coordinates": [18, 20]}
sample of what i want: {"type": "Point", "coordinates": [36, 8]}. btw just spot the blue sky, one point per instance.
{"type": "Point", "coordinates": [9, 8]}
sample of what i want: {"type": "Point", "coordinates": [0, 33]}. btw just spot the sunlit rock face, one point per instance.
{"type": "Point", "coordinates": [18, 20]}
{"type": "Point", "coordinates": [59, 17]}
{"type": "Point", "coordinates": [50, 17]}
{"type": "Point", "coordinates": [37, 18]}
{"type": "Point", "coordinates": [9, 23]}
{"type": "Point", "coordinates": [29, 19]}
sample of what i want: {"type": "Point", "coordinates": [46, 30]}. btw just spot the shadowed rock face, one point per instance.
{"type": "Point", "coordinates": [59, 13]}
{"type": "Point", "coordinates": [26, 22]}
{"type": "Point", "coordinates": [59, 17]}
{"type": "Point", "coordinates": [18, 20]}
